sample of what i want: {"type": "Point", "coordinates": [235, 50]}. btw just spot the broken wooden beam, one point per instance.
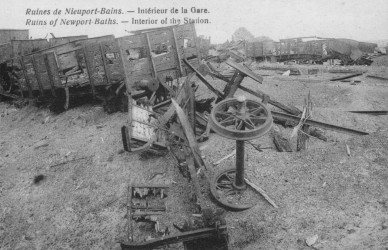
{"type": "Point", "coordinates": [345, 71]}
{"type": "Point", "coordinates": [282, 144]}
{"type": "Point", "coordinates": [202, 78]}
{"type": "Point", "coordinates": [378, 77]}
{"type": "Point", "coordinates": [289, 109]}
{"type": "Point", "coordinates": [260, 94]}
{"type": "Point", "coordinates": [262, 192]}
{"type": "Point", "coordinates": [372, 112]}
{"type": "Point", "coordinates": [317, 133]}
{"type": "Point", "coordinates": [347, 149]}
{"type": "Point", "coordinates": [346, 77]}
{"type": "Point", "coordinates": [225, 157]}
{"type": "Point", "coordinates": [319, 124]}
{"type": "Point", "coordinates": [303, 138]}
{"type": "Point", "coordinates": [9, 95]}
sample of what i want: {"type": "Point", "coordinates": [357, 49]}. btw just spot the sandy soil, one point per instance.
{"type": "Point", "coordinates": [80, 204]}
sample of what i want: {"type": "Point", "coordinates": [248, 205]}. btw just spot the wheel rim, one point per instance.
{"type": "Point", "coordinates": [240, 119]}
{"type": "Point", "coordinates": [223, 191]}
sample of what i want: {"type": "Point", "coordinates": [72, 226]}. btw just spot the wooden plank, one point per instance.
{"type": "Point", "coordinates": [30, 73]}
{"type": "Point", "coordinates": [378, 77]}
{"type": "Point", "coordinates": [178, 57]}
{"type": "Point", "coordinates": [114, 64]}
{"type": "Point", "coordinates": [282, 144]}
{"type": "Point", "coordinates": [303, 138]}
{"type": "Point", "coordinates": [190, 136]}
{"type": "Point", "coordinates": [346, 77]}
{"type": "Point", "coordinates": [150, 56]}
{"type": "Point", "coordinates": [52, 78]}
{"type": "Point", "coordinates": [319, 124]}
{"type": "Point", "coordinates": [260, 94]}
{"type": "Point", "coordinates": [37, 75]}
{"type": "Point", "coordinates": [90, 71]}
{"type": "Point", "coordinates": [202, 78]}
{"type": "Point", "coordinates": [24, 69]}
{"type": "Point", "coordinates": [104, 63]}
{"type": "Point", "coordinates": [262, 192]}
{"type": "Point", "coordinates": [196, 44]}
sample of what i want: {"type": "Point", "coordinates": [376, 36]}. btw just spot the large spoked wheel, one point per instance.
{"type": "Point", "coordinates": [225, 194]}
{"type": "Point", "coordinates": [240, 119]}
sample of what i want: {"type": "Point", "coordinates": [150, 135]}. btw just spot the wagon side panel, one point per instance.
{"type": "Point", "coordinates": [95, 64]}
{"type": "Point", "coordinates": [113, 63]}
{"type": "Point", "coordinates": [135, 59]}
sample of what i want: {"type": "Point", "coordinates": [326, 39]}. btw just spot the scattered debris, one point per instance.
{"type": "Point", "coordinates": [225, 157]}
{"type": "Point", "coordinates": [310, 122]}
{"type": "Point", "coordinates": [317, 133]}
{"type": "Point", "coordinates": [66, 162]}
{"type": "Point", "coordinates": [311, 240]}
{"type": "Point", "coordinates": [282, 143]}
{"type": "Point", "coordinates": [372, 112]}
{"type": "Point", "coordinates": [39, 178]}
{"type": "Point", "coordinates": [345, 77]}
{"type": "Point", "coordinates": [40, 144]}
{"type": "Point", "coordinates": [380, 77]}
{"type": "Point", "coordinates": [262, 192]}
{"type": "Point", "coordinates": [347, 149]}
{"type": "Point", "coordinates": [287, 73]}
{"type": "Point", "coordinates": [304, 131]}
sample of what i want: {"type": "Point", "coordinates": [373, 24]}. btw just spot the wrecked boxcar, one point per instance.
{"type": "Point", "coordinates": [311, 49]}
{"type": "Point", "coordinates": [102, 67]}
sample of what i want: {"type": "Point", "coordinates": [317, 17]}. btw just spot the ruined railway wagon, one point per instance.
{"type": "Point", "coordinates": [139, 62]}
{"type": "Point", "coordinates": [59, 67]}
{"type": "Point", "coordinates": [156, 55]}
{"type": "Point", "coordinates": [309, 48]}
{"type": "Point", "coordinates": [9, 52]}
{"type": "Point", "coordinates": [287, 49]}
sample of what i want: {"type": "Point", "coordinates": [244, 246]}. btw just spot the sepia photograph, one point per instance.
{"type": "Point", "coordinates": [194, 125]}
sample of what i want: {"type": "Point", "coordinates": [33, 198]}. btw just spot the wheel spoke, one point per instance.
{"type": "Point", "coordinates": [228, 121]}
{"type": "Point", "coordinates": [249, 124]}
{"type": "Point", "coordinates": [258, 120]}
{"type": "Point", "coordinates": [225, 182]}
{"type": "Point", "coordinates": [256, 111]}
{"type": "Point", "coordinates": [230, 192]}
{"type": "Point", "coordinates": [239, 125]}
{"type": "Point", "coordinates": [230, 176]}
{"type": "Point", "coordinates": [219, 187]}
{"type": "Point", "coordinates": [258, 116]}
{"type": "Point", "coordinates": [222, 114]}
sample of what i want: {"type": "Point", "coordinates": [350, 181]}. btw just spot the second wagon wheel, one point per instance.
{"type": "Point", "coordinates": [237, 119]}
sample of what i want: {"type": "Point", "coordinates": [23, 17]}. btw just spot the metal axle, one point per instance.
{"type": "Point", "coordinates": [239, 182]}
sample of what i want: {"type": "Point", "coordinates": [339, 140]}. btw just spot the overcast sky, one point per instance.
{"type": "Point", "coordinates": [355, 19]}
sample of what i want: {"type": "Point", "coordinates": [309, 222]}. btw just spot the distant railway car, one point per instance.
{"type": "Point", "coordinates": [311, 49]}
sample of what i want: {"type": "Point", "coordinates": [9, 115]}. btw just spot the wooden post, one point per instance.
{"type": "Point", "coordinates": [90, 70]}
{"type": "Point", "coordinates": [302, 140]}
{"type": "Point", "coordinates": [26, 76]}
{"type": "Point", "coordinates": [37, 74]}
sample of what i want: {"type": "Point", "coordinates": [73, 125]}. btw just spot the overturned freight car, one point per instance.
{"type": "Point", "coordinates": [106, 67]}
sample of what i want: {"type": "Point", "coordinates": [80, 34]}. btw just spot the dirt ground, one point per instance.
{"type": "Point", "coordinates": [326, 197]}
